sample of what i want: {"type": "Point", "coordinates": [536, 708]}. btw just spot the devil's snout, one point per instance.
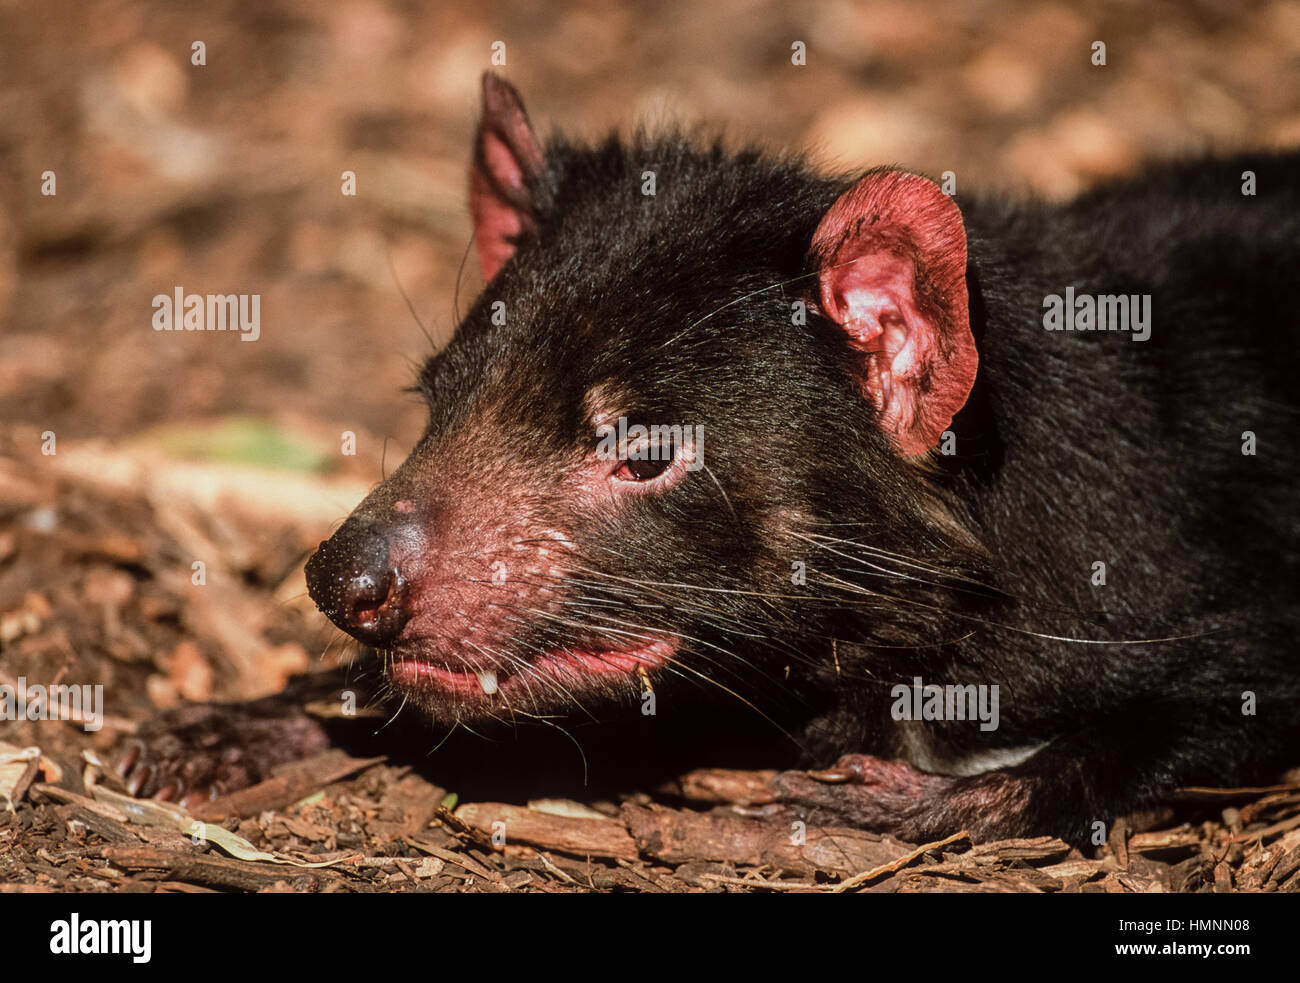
{"type": "Point", "coordinates": [352, 579]}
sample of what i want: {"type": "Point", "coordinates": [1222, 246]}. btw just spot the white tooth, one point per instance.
{"type": "Point", "coordinates": [488, 680]}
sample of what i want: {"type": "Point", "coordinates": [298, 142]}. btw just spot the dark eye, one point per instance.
{"type": "Point", "coordinates": [646, 470]}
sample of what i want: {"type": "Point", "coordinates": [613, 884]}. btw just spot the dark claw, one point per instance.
{"type": "Point", "coordinates": [199, 796]}
{"type": "Point", "coordinates": [833, 776]}
{"type": "Point", "coordinates": [128, 759]}
{"type": "Point", "coordinates": [198, 752]}
{"type": "Point", "coordinates": [139, 779]}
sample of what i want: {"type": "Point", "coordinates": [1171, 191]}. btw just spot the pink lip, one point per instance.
{"type": "Point", "coordinates": [564, 664]}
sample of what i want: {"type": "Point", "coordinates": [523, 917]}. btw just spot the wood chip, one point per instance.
{"type": "Point", "coordinates": [213, 871]}
{"type": "Point", "coordinates": [961, 839]}
{"type": "Point", "coordinates": [595, 837]}
{"type": "Point", "coordinates": [295, 782]}
{"type": "Point", "coordinates": [1165, 843]}
{"type": "Point", "coordinates": [676, 836]}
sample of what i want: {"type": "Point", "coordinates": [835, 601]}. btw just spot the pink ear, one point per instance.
{"type": "Point", "coordinates": [507, 157]}
{"type": "Point", "coordinates": [892, 259]}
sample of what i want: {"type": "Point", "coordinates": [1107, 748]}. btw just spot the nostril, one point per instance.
{"type": "Point", "coordinates": [368, 595]}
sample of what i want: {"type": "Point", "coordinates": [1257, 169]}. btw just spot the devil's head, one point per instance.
{"type": "Point", "coordinates": [695, 382]}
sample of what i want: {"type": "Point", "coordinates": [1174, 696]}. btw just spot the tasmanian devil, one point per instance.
{"type": "Point", "coordinates": [987, 505]}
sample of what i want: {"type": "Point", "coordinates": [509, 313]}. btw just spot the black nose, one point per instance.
{"type": "Point", "coordinates": [353, 583]}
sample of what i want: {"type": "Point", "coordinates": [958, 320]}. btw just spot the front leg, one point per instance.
{"type": "Point", "coordinates": [204, 750]}
{"type": "Point", "coordinates": [1128, 761]}
{"type": "Point", "coordinates": [894, 797]}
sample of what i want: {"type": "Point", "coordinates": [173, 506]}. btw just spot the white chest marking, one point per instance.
{"type": "Point", "coordinates": [919, 750]}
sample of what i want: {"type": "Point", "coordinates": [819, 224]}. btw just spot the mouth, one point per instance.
{"type": "Point", "coordinates": [545, 676]}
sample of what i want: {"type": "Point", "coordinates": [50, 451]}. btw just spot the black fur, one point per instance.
{"type": "Point", "coordinates": [971, 568]}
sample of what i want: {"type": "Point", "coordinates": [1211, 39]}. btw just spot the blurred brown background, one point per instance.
{"type": "Point", "coordinates": [226, 177]}
{"type": "Point", "coordinates": [177, 449]}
